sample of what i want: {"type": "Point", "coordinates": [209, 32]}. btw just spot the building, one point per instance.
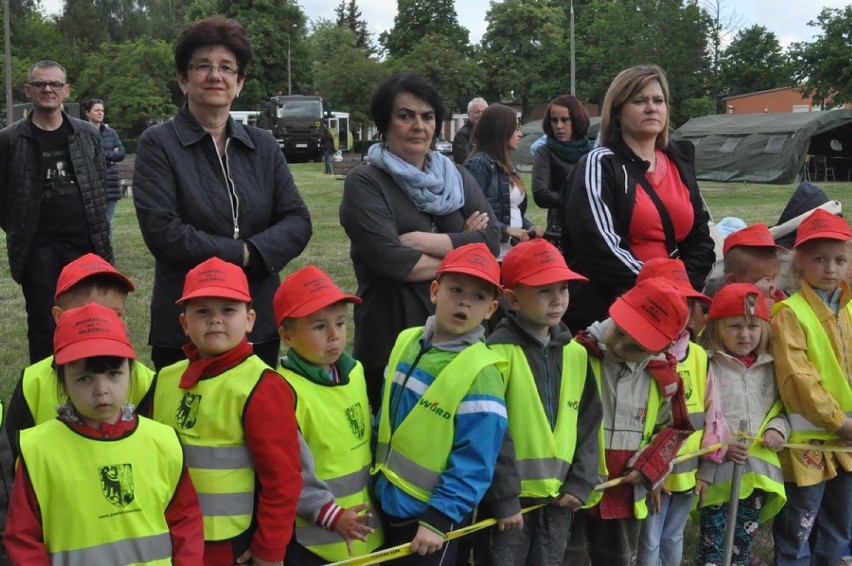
{"type": "Point", "coordinates": [772, 101]}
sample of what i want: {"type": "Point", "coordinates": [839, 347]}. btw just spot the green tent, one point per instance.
{"type": "Point", "coordinates": [770, 148]}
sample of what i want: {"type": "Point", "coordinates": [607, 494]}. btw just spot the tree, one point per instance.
{"type": "Point", "coordinates": [721, 22]}
{"type": "Point", "coordinates": [343, 72]}
{"type": "Point", "coordinates": [349, 16]}
{"type": "Point", "coordinates": [754, 61]}
{"type": "Point", "coordinates": [457, 79]}
{"type": "Point", "coordinates": [416, 19]}
{"type": "Point", "coordinates": [822, 66]}
{"type": "Point", "coordinates": [516, 47]}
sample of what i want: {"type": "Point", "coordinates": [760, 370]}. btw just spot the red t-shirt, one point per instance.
{"type": "Point", "coordinates": [646, 236]}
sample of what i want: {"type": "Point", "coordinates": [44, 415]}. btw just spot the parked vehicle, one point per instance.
{"type": "Point", "coordinates": [296, 122]}
{"type": "Point", "coordinates": [443, 146]}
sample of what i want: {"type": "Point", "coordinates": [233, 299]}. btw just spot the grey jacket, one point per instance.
{"type": "Point", "coordinates": [21, 189]}
{"type": "Point", "coordinates": [192, 206]}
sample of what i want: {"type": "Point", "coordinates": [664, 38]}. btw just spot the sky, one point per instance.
{"type": "Point", "coordinates": [786, 18]}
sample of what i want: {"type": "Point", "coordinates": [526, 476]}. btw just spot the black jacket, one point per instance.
{"type": "Point", "coordinates": [548, 177]}
{"type": "Point", "coordinates": [461, 141]}
{"type": "Point", "coordinates": [21, 188]}
{"type": "Point", "coordinates": [597, 205]}
{"type": "Point", "coordinates": [188, 211]}
{"type": "Point", "coordinates": [113, 152]}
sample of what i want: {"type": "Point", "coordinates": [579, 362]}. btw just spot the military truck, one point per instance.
{"type": "Point", "coordinates": [296, 122]}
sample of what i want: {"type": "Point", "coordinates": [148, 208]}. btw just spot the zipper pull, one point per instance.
{"type": "Point", "coordinates": [236, 232]}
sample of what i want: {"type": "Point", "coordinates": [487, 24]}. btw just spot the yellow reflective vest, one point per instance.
{"type": "Point", "coordinates": [693, 372]}
{"type": "Point", "coordinates": [763, 472]}
{"type": "Point", "coordinates": [543, 456]}
{"type": "Point", "coordinates": [104, 501]}
{"type": "Point", "coordinates": [408, 459]}
{"type": "Point", "coordinates": [640, 506]}
{"type": "Point", "coordinates": [824, 359]}
{"type": "Point", "coordinates": [208, 420]}
{"type": "Point", "coordinates": [335, 423]}
{"type": "Point", "coordinates": [40, 387]}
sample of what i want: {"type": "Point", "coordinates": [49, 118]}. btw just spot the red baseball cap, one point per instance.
{"type": "Point", "coordinates": [216, 278]}
{"type": "Point", "coordinates": [736, 299]}
{"type": "Point", "coordinates": [756, 235]}
{"type": "Point", "coordinates": [536, 262]}
{"type": "Point", "coordinates": [475, 260]}
{"type": "Point", "coordinates": [822, 225]}
{"type": "Point", "coordinates": [305, 292]}
{"type": "Point", "coordinates": [653, 313]}
{"type": "Point", "coordinates": [675, 271]}
{"type": "Point", "coordinates": [89, 331]}
{"type": "Point", "coordinates": [87, 266]}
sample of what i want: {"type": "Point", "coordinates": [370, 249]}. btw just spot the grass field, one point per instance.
{"type": "Point", "coordinates": [329, 249]}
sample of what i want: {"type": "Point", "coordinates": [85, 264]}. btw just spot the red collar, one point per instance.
{"type": "Point", "coordinates": [118, 430]}
{"type": "Point", "coordinates": [208, 367]}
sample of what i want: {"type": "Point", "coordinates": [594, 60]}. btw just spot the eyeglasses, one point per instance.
{"type": "Point", "coordinates": [41, 85]}
{"type": "Point", "coordinates": [225, 69]}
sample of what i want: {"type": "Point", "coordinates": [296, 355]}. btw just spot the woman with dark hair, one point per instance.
{"type": "Point", "coordinates": [632, 199]}
{"type": "Point", "coordinates": [494, 137]}
{"type": "Point", "coordinates": [566, 124]}
{"type": "Point", "coordinates": [207, 186]}
{"type": "Point", "coordinates": [403, 212]}
{"type": "Point", "coordinates": [93, 109]}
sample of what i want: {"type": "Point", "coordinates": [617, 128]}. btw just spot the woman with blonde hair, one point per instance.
{"type": "Point", "coordinates": [495, 136]}
{"type": "Point", "coordinates": [633, 198]}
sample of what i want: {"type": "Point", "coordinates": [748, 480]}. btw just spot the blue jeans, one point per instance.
{"type": "Point", "coordinates": [661, 537]}
{"type": "Point", "coordinates": [327, 159]}
{"type": "Point", "coordinates": [814, 526]}
{"type": "Point", "coordinates": [110, 215]}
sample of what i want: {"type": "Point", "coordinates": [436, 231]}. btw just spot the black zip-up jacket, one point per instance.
{"type": "Point", "coordinates": [192, 206]}
{"type": "Point", "coordinates": [21, 188]}
{"type": "Point", "coordinates": [597, 204]}
{"type": "Point", "coordinates": [545, 363]}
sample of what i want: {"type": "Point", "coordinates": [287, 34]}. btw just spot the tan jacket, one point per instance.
{"type": "Point", "coordinates": [800, 385]}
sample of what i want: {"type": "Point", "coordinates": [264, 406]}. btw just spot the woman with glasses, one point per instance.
{"type": "Point", "coordinates": [93, 109]}
{"type": "Point", "coordinates": [205, 185]}
{"type": "Point", "coordinates": [495, 136]}
{"type": "Point", "coordinates": [566, 124]}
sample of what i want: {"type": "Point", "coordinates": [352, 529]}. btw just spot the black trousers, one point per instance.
{"type": "Point", "coordinates": [38, 282]}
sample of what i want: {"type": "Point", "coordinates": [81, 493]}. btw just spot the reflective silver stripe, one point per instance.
{"type": "Point", "coordinates": [481, 406]}
{"type": "Point", "coordinates": [697, 420]}
{"type": "Point", "coordinates": [349, 484]}
{"type": "Point", "coordinates": [381, 451]}
{"type": "Point", "coordinates": [226, 504]}
{"type": "Point", "coordinates": [685, 467]}
{"type": "Point", "coordinates": [217, 457]}
{"type": "Point", "coordinates": [412, 472]}
{"type": "Point", "coordinates": [725, 472]}
{"type": "Point", "coordinates": [127, 551]}
{"type": "Point", "coordinates": [801, 424]}
{"type": "Point", "coordinates": [542, 468]}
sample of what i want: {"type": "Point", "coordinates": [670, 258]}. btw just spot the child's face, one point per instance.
{"type": "Point", "coordinates": [318, 338]}
{"type": "Point", "coordinates": [540, 307]}
{"type": "Point", "coordinates": [623, 346]}
{"type": "Point", "coordinates": [762, 273]}
{"type": "Point", "coordinates": [215, 325]}
{"type": "Point", "coordinates": [823, 263]}
{"type": "Point", "coordinates": [461, 302]}
{"type": "Point", "coordinates": [740, 336]}
{"type": "Point", "coordinates": [97, 397]}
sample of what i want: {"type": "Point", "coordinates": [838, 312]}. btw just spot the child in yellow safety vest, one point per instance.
{"type": "Point", "coordinates": [99, 485]}
{"type": "Point", "coordinates": [812, 345]}
{"type": "Point", "coordinates": [737, 338]}
{"type": "Point", "coordinates": [551, 452]}
{"type": "Point", "coordinates": [235, 416]}
{"type": "Point", "coordinates": [644, 417]}
{"type": "Point", "coordinates": [87, 279]}
{"type": "Point", "coordinates": [333, 520]}
{"type": "Point", "coordinates": [442, 417]}
{"type": "Point", "coordinates": [661, 537]}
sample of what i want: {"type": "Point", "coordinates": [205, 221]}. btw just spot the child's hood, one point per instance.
{"type": "Point", "coordinates": [457, 344]}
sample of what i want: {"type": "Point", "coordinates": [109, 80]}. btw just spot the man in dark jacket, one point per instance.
{"type": "Point", "coordinates": [53, 195]}
{"type": "Point", "coordinates": [462, 139]}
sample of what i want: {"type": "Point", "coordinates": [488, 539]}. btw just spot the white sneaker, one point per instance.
{"type": "Point", "coordinates": [845, 561]}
